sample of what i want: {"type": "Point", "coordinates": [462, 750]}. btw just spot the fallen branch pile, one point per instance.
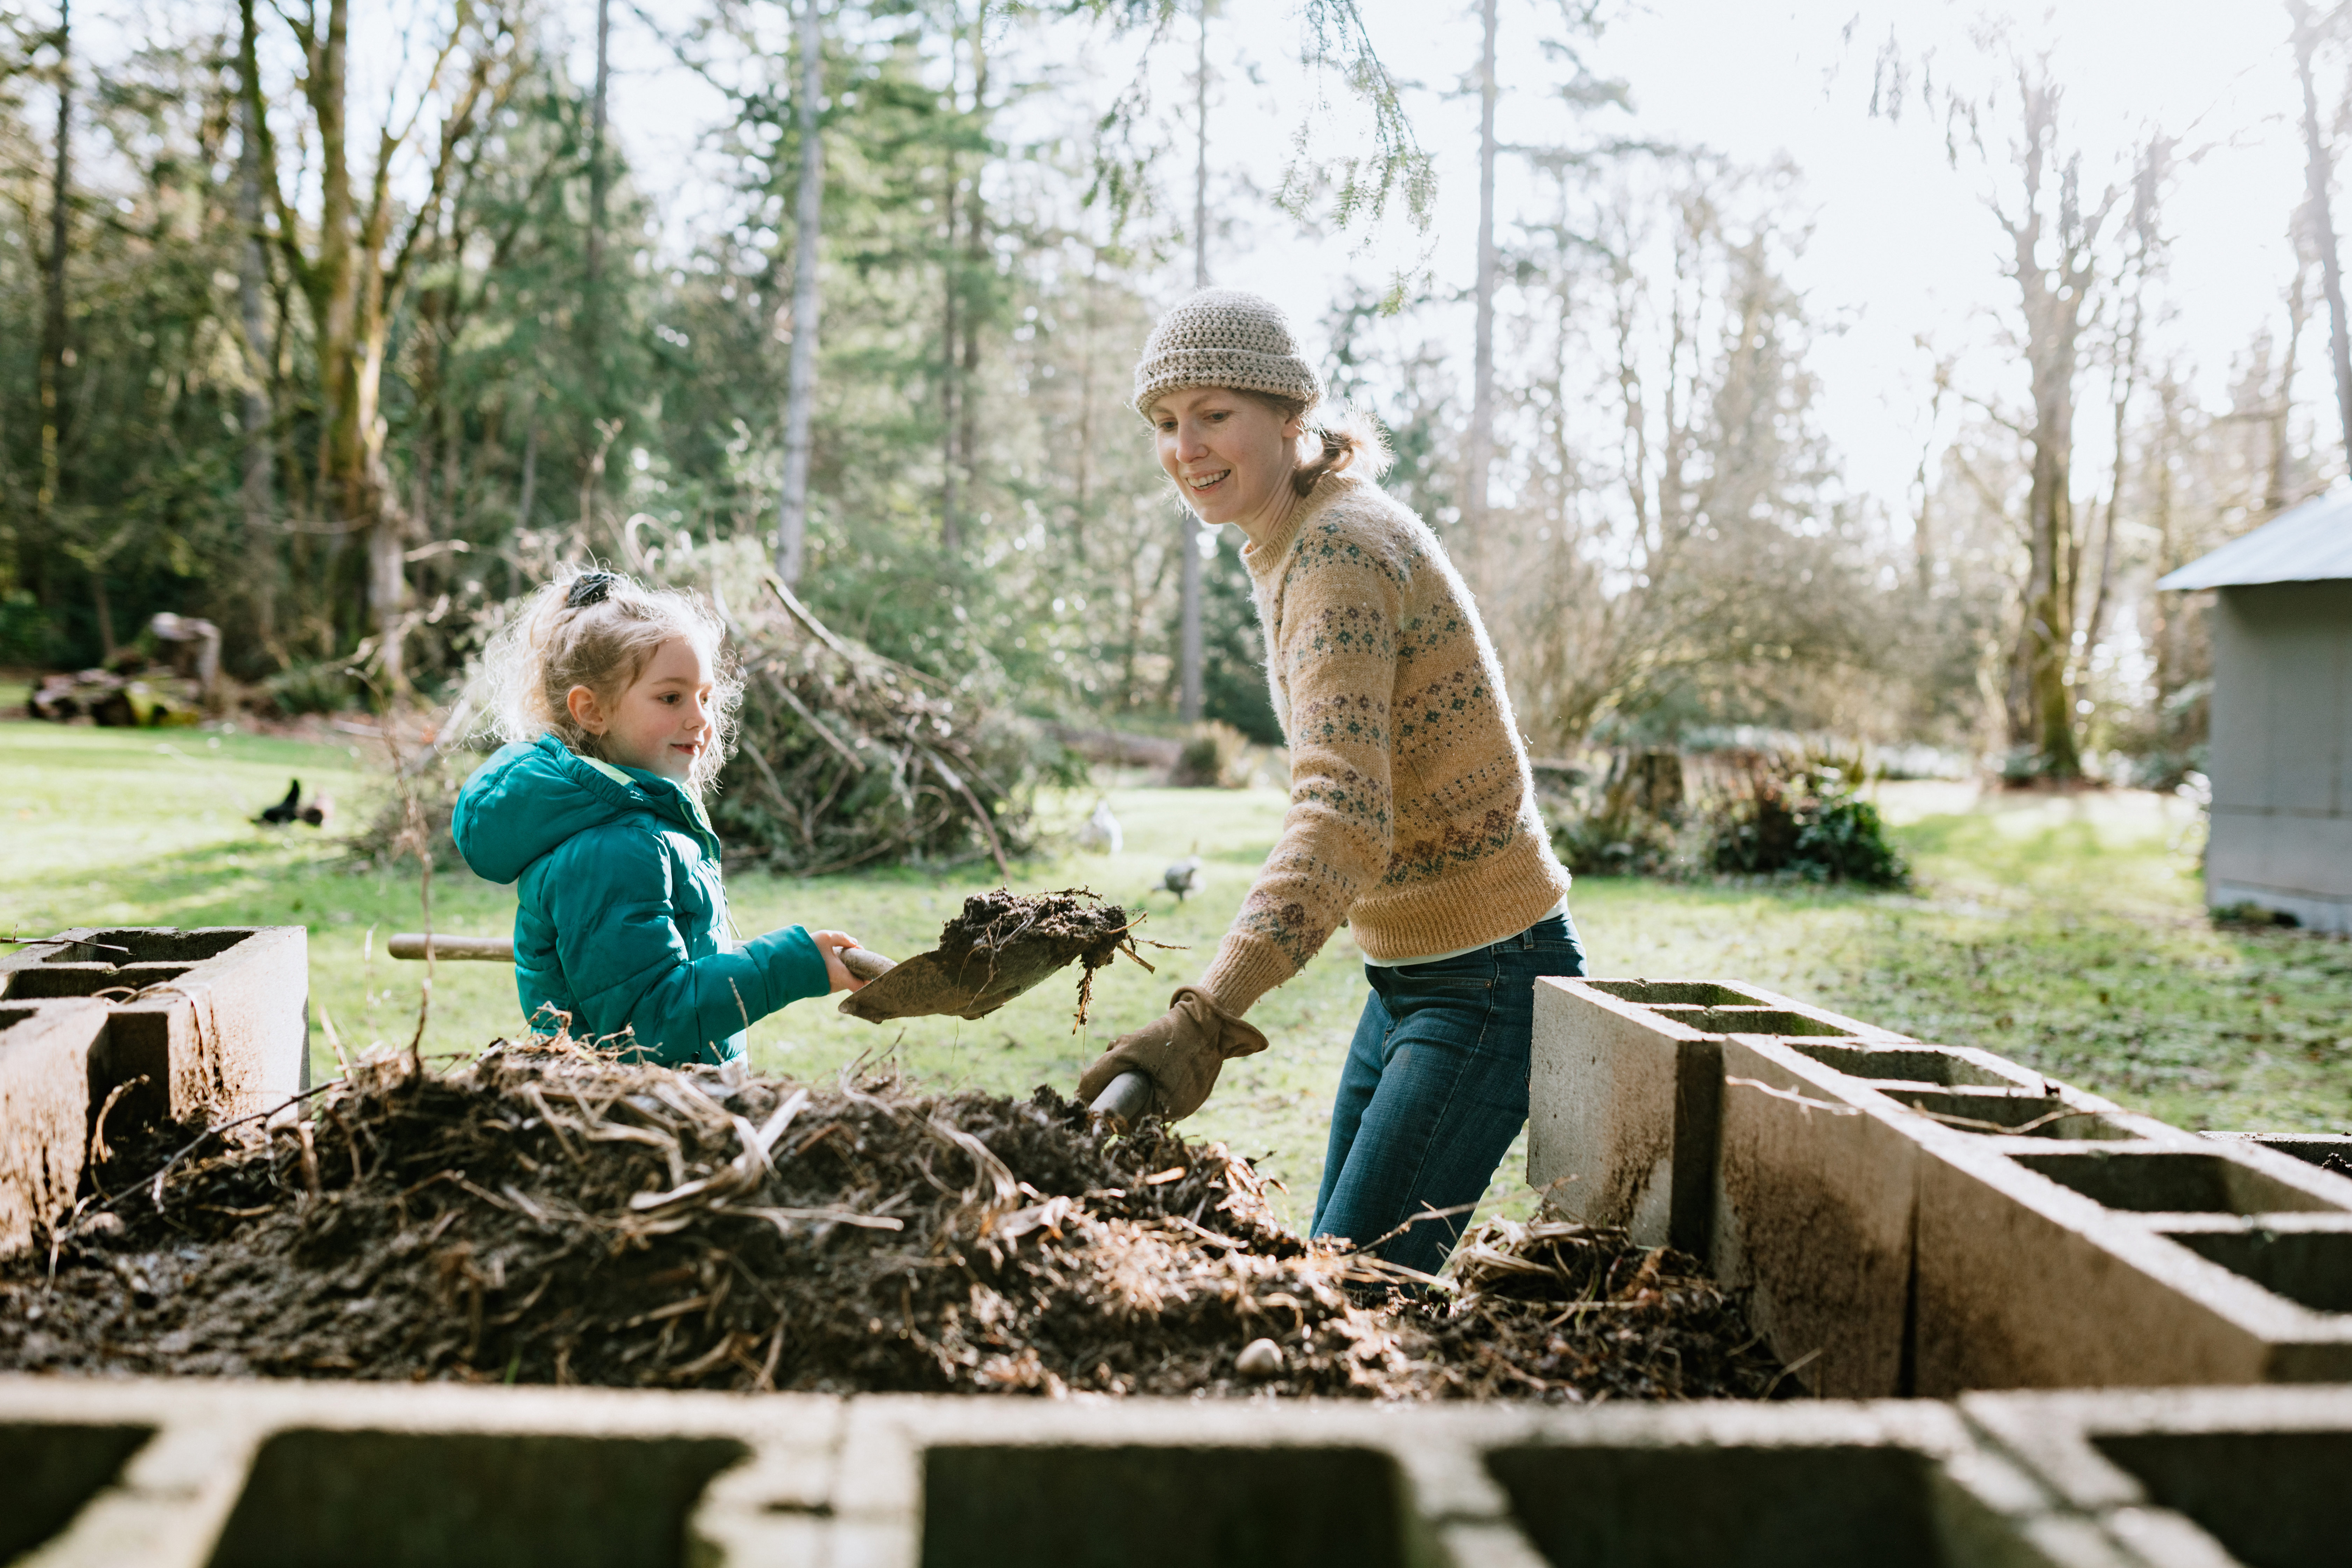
{"type": "Point", "coordinates": [545, 1213]}
{"type": "Point", "coordinates": [848, 758]}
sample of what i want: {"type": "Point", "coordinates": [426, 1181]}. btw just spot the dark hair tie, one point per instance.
{"type": "Point", "coordinates": [590, 588]}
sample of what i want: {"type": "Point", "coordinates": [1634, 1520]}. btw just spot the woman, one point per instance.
{"type": "Point", "coordinates": [1412, 813]}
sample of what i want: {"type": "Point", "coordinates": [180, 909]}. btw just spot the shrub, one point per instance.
{"type": "Point", "coordinates": [299, 689]}
{"type": "Point", "coordinates": [1214, 755]}
{"type": "Point", "coordinates": [1814, 830]}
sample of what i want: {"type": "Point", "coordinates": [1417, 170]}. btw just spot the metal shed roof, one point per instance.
{"type": "Point", "coordinates": [2309, 544]}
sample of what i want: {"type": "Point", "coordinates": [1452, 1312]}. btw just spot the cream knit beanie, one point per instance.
{"type": "Point", "coordinates": [1223, 337]}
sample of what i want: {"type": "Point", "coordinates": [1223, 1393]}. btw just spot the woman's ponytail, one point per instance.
{"type": "Point", "coordinates": [1352, 437]}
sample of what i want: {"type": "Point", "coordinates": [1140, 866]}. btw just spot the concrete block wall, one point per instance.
{"type": "Point", "coordinates": [1919, 1219]}
{"type": "Point", "coordinates": [46, 1051]}
{"type": "Point", "coordinates": [208, 1025]}
{"type": "Point", "coordinates": [216, 1020]}
{"type": "Point", "coordinates": [187, 1474]}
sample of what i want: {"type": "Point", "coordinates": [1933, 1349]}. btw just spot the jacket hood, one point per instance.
{"type": "Point", "coordinates": [532, 796]}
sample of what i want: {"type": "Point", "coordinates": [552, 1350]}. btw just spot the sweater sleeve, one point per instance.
{"type": "Point", "coordinates": [1337, 651]}
{"type": "Point", "coordinates": [617, 939]}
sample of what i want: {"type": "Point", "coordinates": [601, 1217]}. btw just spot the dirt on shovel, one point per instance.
{"type": "Point", "coordinates": [1000, 944]}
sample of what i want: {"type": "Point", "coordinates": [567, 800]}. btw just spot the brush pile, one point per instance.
{"type": "Point", "coordinates": [848, 758]}
{"type": "Point", "coordinates": [548, 1215]}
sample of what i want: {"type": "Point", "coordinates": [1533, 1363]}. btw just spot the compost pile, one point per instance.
{"type": "Point", "coordinates": [549, 1213]}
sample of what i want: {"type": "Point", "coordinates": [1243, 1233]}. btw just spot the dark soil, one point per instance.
{"type": "Point", "coordinates": [548, 1215]}
{"type": "Point", "coordinates": [999, 945]}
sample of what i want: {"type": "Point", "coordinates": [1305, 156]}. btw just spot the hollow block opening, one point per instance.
{"type": "Point", "coordinates": [2166, 1182]}
{"type": "Point", "coordinates": [2012, 1115]}
{"type": "Point", "coordinates": [121, 947]}
{"type": "Point", "coordinates": [52, 1469]}
{"type": "Point", "coordinates": [1728, 1020]}
{"type": "Point", "coordinates": [1906, 1064]}
{"type": "Point", "coordinates": [470, 1499]}
{"type": "Point", "coordinates": [1673, 993]}
{"type": "Point", "coordinates": [1161, 1508]}
{"type": "Point", "coordinates": [40, 982]}
{"type": "Point", "coordinates": [2328, 1150]}
{"type": "Point", "coordinates": [1826, 1507]}
{"type": "Point", "coordinates": [2274, 1500]}
{"type": "Point", "coordinates": [2311, 1269]}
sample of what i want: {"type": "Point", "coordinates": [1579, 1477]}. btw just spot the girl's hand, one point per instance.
{"type": "Point", "coordinates": [830, 944]}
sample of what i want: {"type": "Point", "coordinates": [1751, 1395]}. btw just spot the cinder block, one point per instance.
{"type": "Point", "coordinates": [1623, 1091]}
{"type": "Point", "coordinates": [216, 1020]}
{"type": "Point", "coordinates": [1925, 1235]}
{"type": "Point", "coordinates": [46, 1052]}
{"type": "Point", "coordinates": [1813, 1218]}
{"type": "Point", "coordinates": [2328, 1150]}
{"type": "Point", "coordinates": [2071, 1264]}
{"type": "Point", "coordinates": [182, 1473]}
{"type": "Point", "coordinates": [2190, 1477]}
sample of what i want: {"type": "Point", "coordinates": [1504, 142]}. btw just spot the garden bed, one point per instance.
{"type": "Point", "coordinates": [548, 1215]}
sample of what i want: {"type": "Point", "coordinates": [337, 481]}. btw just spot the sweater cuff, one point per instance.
{"type": "Point", "coordinates": [1245, 968]}
{"type": "Point", "coordinates": [793, 967]}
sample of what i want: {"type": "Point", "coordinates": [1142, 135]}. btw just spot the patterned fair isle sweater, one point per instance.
{"type": "Point", "coordinates": [1413, 811]}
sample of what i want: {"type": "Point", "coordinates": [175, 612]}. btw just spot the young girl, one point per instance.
{"type": "Point", "coordinates": [618, 711]}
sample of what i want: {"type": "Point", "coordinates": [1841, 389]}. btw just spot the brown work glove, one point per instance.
{"type": "Point", "coordinates": [1182, 1050]}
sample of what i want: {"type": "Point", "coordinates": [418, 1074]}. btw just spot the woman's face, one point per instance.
{"type": "Point", "coordinates": [1230, 454]}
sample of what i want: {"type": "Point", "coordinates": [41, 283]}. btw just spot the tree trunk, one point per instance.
{"type": "Point", "coordinates": [1085, 416]}
{"type": "Point", "coordinates": [54, 349]}
{"type": "Point", "coordinates": [2277, 487]}
{"type": "Point", "coordinates": [597, 183]}
{"type": "Point", "coordinates": [525, 501]}
{"type": "Point", "coordinates": [975, 274]}
{"type": "Point", "coordinates": [951, 266]}
{"type": "Point", "coordinates": [252, 281]}
{"type": "Point", "coordinates": [2319, 172]}
{"type": "Point", "coordinates": [2053, 317]}
{"type": "Point", "coordinates": [800, 401]}
{"type": "Point", "coordinates": [1478, 449]}
{"type": "Point", "coordinates": [1189, 658]}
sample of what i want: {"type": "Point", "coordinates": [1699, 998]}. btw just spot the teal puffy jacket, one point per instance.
{"type": "Point", "coordinates": [622, 920]}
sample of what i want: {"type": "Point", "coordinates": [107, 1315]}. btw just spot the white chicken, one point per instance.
{"type": "Point", "coordinates": [1101, 833]}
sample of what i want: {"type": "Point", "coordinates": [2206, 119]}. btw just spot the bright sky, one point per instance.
{"type": "Point", "coordinates": [1901, 247]}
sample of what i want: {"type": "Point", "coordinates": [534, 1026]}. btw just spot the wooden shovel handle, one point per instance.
{"type": "Point", "coordinates": [488, 949]}
{"type": "Point", "coordinates": [866, 964]}
{"type": "Point", "coordinates": [858, 961]}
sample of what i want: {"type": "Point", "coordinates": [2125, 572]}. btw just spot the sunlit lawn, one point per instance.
{"type": "Point", "coordinates": [2064, 931]}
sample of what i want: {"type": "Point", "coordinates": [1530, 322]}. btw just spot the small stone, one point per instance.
{"type": "Point", "coordinates": [1259, 1360]}
{"type": "Point", "coordinates": [105, 1224]}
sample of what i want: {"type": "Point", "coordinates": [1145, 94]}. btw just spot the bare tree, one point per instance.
{"type": "Point", "coordinates": [592, 312]}
{"type": "Point", "coordinates": [1189, 654]}
{"type": "Point", "coordinates": [54, 348]}
{"type": "Point", "coordinates": [367, 242]}
{"type": "Point", "coordinates": [2319, 171]}
{"type": "Point", "coordinates": [800, 399]}
{"type": "Point", "coordinates": [1478, 442]}
{"type": "Point", "coordinates": [252, 282]}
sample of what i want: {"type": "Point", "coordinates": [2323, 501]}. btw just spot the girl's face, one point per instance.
{"type": "Point", "coordinates": [662, 721]}
{"type": "Point", "coordinates": [1231, 455]}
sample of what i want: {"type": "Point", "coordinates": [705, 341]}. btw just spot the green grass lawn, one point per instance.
{"type": "Point", "coordinates": [2064, 931]}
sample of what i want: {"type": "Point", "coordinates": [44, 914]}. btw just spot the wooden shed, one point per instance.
{"type": "Point", "coordinates": [2280, 752]}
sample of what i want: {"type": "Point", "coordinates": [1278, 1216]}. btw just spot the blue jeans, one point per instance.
{"type": "Point", "coordinates": [1435, 1089]}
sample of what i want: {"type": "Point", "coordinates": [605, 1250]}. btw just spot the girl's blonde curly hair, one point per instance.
{"type": "Point", "coordinates": [600, 629]}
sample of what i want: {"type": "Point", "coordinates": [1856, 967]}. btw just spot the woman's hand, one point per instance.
{"type": "Point", "coordinates": [1179, 1051]}
{"type": "Point", "coordinates": [830, 944]}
